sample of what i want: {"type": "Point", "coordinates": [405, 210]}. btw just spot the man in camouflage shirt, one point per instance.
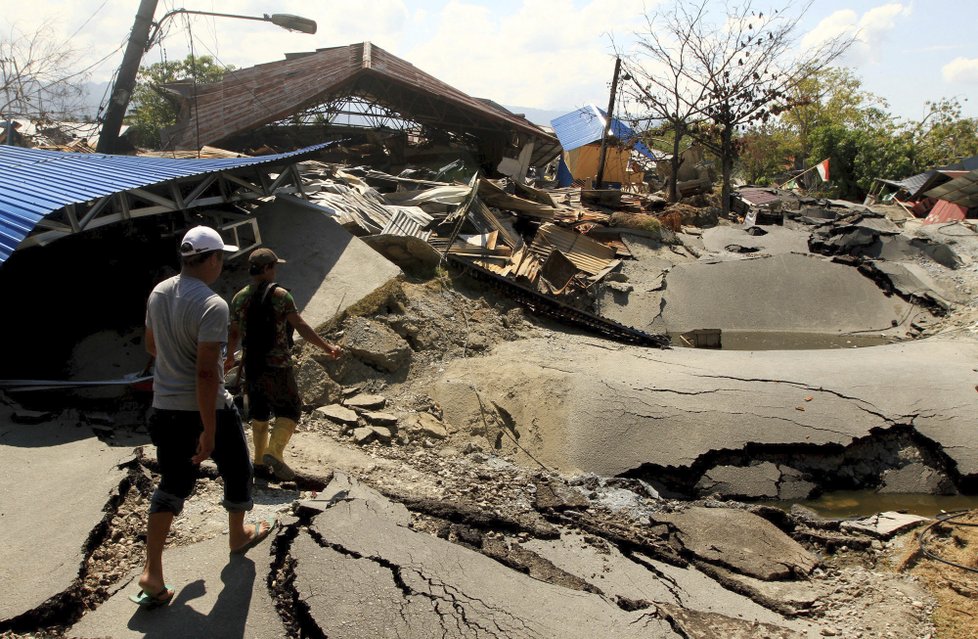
{"type": "Point", "coordinates": [269, 377]}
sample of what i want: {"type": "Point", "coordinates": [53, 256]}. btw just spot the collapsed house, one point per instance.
{"type": "Point", "coordinates": [580, 133]}
{"type": "Point", "coordinates": [391, 113]}
{"type": "Point", "coordinates": [929, 195]}
{"type": "Point", "coordinates": [527, 241]}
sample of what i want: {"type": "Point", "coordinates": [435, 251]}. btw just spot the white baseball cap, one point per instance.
{"type": "Point", "coordinates": [201, 239]}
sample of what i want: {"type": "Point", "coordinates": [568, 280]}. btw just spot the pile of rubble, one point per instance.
{"type": "Point", "coordinates": [543, 243]}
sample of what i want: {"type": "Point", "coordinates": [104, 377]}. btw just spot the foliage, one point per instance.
{"type": "Point", "coordinates": [832, 117]}
{"type": "Point", "coordinates": [765, 152]}
{"type": "Point", "coordinates": [153, 106]}
{"type": "Point", "coordinates": [638, 221]}
{"type": "Point", "coordinates": [36, 77]}
{"type": "Point", "coordinates": [943, 136]}
{"type": "Point", "coordinates": [828, 96]}
{"type": "Point", "coordinates": [731, 73]}
{"type": "Point", "coordinates": [859, 155]}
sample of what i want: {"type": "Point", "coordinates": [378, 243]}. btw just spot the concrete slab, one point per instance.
{"type": "Point", "coordinates": [651, 580]}
{"type": "Point", "coordinates": [741, 541]}
{"type": "Point", "coordinates": [780, 293]}
{"type": "Point", "coordinates": [57, 479]}
{"type": "Point", "coordinates": [776, 240]}
{"type": "Point", "coordinates": [607, 408]}
{"type": "Point", "coordinates": [217, 595]}
{"type": "Point", "coordinates": [388, 580]}
{"type": "Point", "coordinates": [909, 279]}
{"type": "Point", "coordinates": [328, 270]}
{"type": "Point", "coordinates": [885, 525]}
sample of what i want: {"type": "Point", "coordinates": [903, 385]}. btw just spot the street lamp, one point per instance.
{"type": "Point", "coordinates": [140, 41]}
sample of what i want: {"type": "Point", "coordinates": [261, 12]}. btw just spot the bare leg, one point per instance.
{"type": "Point", "coordinates": [239, 534]}
{"type": "Point", "coordinates": [157, 529]}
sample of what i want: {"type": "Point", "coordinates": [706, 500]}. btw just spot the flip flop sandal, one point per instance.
{"type": "Point", "coordinates": [145, 600]}
{"type": "Point", "coordinates": [258, 536]}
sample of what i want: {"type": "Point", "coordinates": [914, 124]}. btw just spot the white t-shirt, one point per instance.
{"type": "Point", "coordinates": [182, 312]}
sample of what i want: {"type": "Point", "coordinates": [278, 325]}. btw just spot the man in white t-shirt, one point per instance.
{"type": "Point", "coordinates": [193, 417]}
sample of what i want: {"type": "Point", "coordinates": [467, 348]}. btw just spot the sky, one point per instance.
{"type": "Point", "coordinates": [555, 55]}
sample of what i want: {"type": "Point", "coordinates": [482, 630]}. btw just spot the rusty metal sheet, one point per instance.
{"type": "Point", "coordinates": [248, 98]}
{"type": "Point", "coordinates": [945, 211]}
{"type": "Point", "coordinates": [757, 196]}
{"type": "Point", "coordinates": [961, 190]}
{"type": "Point", "coordinates": [588, 255]}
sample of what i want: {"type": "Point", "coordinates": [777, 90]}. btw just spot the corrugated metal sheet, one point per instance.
{"type": "Point", "coordinates": [962, 190]}
{"type": "Point", "coordinates": [588, 255]}
{"type": "Point", "coordinates": [757, 196]}
{"type": "Point", "coordinates": [586, 125]}
{"type": "Point", "coordinates": [37, 183]}
{"type": "Point", "coordinates": [945, 211]}
{"type": "Point", "coordinates": [248, 98]}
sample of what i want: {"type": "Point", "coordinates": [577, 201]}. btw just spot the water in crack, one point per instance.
{"type": "Point", "coordinates": [781, 341]}
{"type": "Point", "coordinates": [855, 503]}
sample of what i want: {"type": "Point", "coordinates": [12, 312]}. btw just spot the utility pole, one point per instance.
{"type": "Point", "coordinates": [607, 123]}
{"type": "Point", "coordinates": [125, 81]}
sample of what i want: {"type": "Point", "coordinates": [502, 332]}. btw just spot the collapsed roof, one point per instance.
{"type": "Point", "coordinates": [51, 194]}
{"type": "Point", "coordinates": [315, 87]}
{"type": "Point", "coordinates": [586, 125]}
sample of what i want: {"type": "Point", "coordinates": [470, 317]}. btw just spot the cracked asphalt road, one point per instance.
{"type": "Point", "coordinates": [612, 411]}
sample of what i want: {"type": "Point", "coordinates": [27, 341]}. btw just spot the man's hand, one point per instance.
{"type": "Point", "coordinates": [333, 351]}
{"type": "Point", "coordinates": [205, 446]}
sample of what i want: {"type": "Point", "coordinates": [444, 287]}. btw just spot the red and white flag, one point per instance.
{"type": "Point", "coordinates": [823, 169]}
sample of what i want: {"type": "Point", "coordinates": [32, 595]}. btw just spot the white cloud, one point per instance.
{"type": "Point", "coordinates": [547, 54]}
{"type": "Point", "coordinates": [961, 70]}
{"type": "Point", "coordinates": [869, 30]}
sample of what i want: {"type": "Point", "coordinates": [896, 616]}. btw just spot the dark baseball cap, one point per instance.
{"type": "Point", "coordinates": [263, 256]}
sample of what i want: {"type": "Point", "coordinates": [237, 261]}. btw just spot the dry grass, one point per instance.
{"type": "Point", "coordinates": [954, 589]}
{"type": "Point", "coordinates": [641, 221]}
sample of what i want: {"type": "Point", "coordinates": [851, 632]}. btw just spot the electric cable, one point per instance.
{"type": "Point", "coordinates": [946, 519]}
{"type": "Point", "coordinates": [89, 19]}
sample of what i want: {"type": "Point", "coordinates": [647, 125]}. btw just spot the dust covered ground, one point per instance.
{"type": "Point", "coordinates": [480, 484]}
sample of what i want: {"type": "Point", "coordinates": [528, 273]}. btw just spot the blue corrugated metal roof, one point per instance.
{"type": "Point", "coordinates": [36, 183]}
{"type": "Point", "coordinates": [586, 125]}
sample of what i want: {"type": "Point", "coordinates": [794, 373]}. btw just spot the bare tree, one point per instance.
{"type": "Point", "coordinates": [729, 72]}
{"type": "Point", "coordinates": [659, 70]}
{"type": "Point", "coordinates": [36, 75]}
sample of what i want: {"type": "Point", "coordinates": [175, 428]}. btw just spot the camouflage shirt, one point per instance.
{"type": "Point", "coordinates": [280, 356]}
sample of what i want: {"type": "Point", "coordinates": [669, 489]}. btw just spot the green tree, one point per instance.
{"type": "Point", "coordinates": [155, 107]}
{"type": "Point", "coordinates": [829, 115]}
{"type": "Point", "coordinates": [829, 96]}
{"type": "Point", "coordinates": [859, 154]}
{"type": "Point", "coordinates": [944, 137]}
{"type": "Point", "coordinates": [766, 151]}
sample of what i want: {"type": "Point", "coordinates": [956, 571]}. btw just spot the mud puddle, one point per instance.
{"type": "Point", "coordinates": [780, 341]}
{"type": "Point", "coordinates": [843, 504]}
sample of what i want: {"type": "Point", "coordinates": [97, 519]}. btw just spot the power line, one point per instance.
{"type": "Point", "coordinates": [90, 18]}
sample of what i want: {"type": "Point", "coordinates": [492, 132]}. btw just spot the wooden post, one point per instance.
{"type": "Point", "coordinates": [607, 124]}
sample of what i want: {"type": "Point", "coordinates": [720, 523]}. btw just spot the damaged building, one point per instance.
{"type": "Point", "coordinates": [391, 113]}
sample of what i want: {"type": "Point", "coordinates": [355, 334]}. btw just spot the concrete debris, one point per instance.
{"type": "Point", "coordinates": [556, 496]}
{"type": "Point", "coordinates": [376, 345]}
{"type": "Point", "coordinates": [885, 525]}
{"type": "Point", "coordinates": [338, 414]}
{"type": "Point", "coordinates": [740, 541]}
{"type": "Point", "coordinates": [426, 425]}
{"type": "Point", "coordinates": [315, 384]}
{"type": "Point", "coordinates": [365, 401]}
{"type": "Point", "coordinates": [364, 435]}
{"type": "Point", "coordinates": [758, 481]}
{"type": "Point", "coordinates": [380, 419]}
